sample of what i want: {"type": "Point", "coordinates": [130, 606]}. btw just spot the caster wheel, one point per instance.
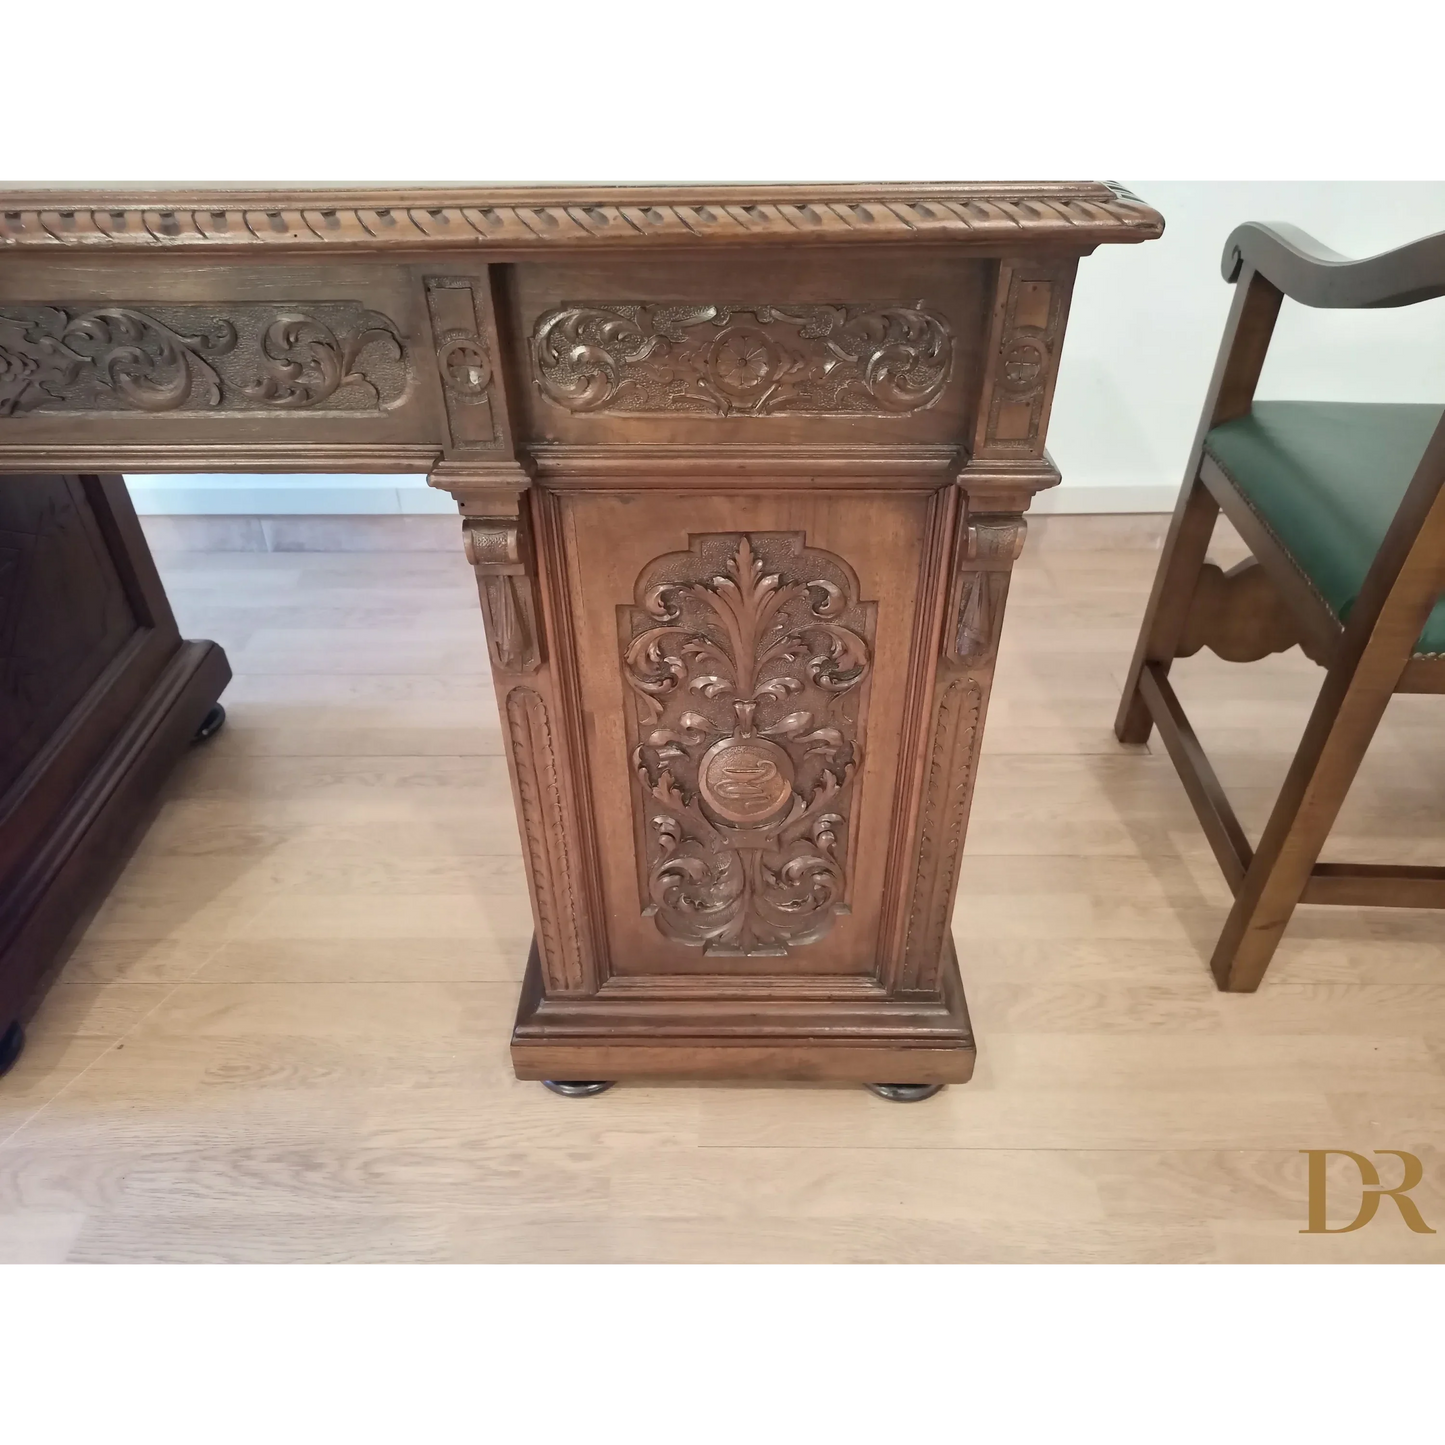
{"type": "Point", "coordinates": [578, 1088]}
{"type": "Point", "coordinates": [12, 1044]}
{"type": "Point", "coordinates": [210, 724]}
{"type": "Point", "coordinates": [904, 1093]}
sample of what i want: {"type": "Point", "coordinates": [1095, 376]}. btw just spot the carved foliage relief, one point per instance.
{"type": "Point", "coordinates": [328, 356]}
{"type": "Point", "coordinates": [742, 359]}
{"type": "Point", "coordinates": [544, 831]}
{"type": "Point", "coordinates": [948, 787]}
{"type": "Point", "coordinates": [748, 660]}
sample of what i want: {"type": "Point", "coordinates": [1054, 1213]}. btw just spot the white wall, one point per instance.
{"type": "Point", "coordinates": [1146, 324]}
{"type": "Point", "coordinates": [1141, 344]}
{"type": "Point", "coordinates": [282, 495]}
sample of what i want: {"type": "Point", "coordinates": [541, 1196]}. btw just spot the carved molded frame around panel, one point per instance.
{"type": "Point", "coordinates": [748, 661]}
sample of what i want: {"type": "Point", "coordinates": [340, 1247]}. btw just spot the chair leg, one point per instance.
{"type": "Point", "coordinates": [1174, 583]}
{"type": "Point", "coordinates": [1346, 714]}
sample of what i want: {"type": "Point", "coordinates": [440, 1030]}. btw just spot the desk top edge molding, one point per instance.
{"type": "Point", "coordinates": [1075, 215]}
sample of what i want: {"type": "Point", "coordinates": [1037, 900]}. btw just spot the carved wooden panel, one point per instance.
{"type": "Point", "coordinates": [63, 615]}
{"type": "Point", "coordinates": [742, 359]}
{"type": "Point", "coordinates": [748, 660]}
{"type": "Point", "coordinates": [464, 359]}
{"type": "Point", "coordinates": [328, 356]}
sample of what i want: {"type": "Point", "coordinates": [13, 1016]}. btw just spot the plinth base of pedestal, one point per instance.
{"type": "Point", "coordinates": [857, 1040]}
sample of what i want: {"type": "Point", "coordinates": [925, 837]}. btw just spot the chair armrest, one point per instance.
{"type": "Point", "coordinates": [1296, 264]}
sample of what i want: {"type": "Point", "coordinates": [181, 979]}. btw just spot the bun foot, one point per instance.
{"type": "Point", "coordinates": [210, 724]}
{"type": "Point", "coordinates": [12, 1045]}
{"type": "Point", "coordinates": [904, 1093]}
{"type": "Point", "coordinates": [578, 1088]}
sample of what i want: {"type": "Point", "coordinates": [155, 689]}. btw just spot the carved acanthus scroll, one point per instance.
{"type": "Point", "coordinates": [53, 360]}
{"type": "Point", "coordinates": [740, 359]}
{"type": "Point", "coordinates": [748, 658]}
{"type": "Point", "coordinates": [304, 361]}
{"type": "Point", "coordinates": [333, 356]}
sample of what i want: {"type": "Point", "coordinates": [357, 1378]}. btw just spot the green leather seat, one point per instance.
{"type": "Point", "coordinates": [1327, 479]}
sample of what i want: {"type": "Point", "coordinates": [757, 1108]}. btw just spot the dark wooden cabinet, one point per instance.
{"type": "Point", "coordinates": [98, 695]}
{"type": "Point", "coordinates": [742, 474]}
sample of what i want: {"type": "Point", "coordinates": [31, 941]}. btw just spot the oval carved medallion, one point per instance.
{"type": "Point", "coordinates": [745, 781]}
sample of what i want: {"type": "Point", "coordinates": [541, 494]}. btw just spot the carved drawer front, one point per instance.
{"type": "Point", "coordinates": [744, 684]}
{"type": "Point", "coordinates": [749, 351]}
{"type": "Point", "coordinates": [154, 353]}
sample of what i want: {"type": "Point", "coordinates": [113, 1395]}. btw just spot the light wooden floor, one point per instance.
{"type": "Point", "coordinates": [285, 1035]}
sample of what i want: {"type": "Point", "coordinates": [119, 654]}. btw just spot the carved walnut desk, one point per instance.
{"type": "Point", "coordinates": [742, 474]}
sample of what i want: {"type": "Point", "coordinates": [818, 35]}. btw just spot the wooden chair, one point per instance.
{"type": "Point", "coordinates": [1343, 508]}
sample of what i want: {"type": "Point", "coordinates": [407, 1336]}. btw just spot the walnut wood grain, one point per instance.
{"type": "Point", "coordinates": [740, 474]}
{"type": "Point", "coordinates": [99, 695]}
{"type": "Point", "coordinates": [1268, 602]}
{"type": "Point", "coordinates": [1312, 274]}
{"type": "Point", "coordinates": [1238, 615]}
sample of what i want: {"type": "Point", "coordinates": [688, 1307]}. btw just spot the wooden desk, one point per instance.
{"type": "Point", "coordinates": [742, 474]}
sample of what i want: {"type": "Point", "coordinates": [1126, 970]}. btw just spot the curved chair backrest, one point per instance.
{"type": "Point", "coordinates": [1266, 264]}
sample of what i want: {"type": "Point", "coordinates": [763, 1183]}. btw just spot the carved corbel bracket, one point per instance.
{"type": "Point", "coordinates": [499, 550]}
{"type": "Point", "coordinates": [1239, 615]}
{"type": "Point", "coordinates": [498, 544]}
{"type": "Point", "coordinates": [988, 547]}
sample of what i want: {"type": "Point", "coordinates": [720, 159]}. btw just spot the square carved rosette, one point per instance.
{"type": "Point", "coordinates": [741, 475]}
